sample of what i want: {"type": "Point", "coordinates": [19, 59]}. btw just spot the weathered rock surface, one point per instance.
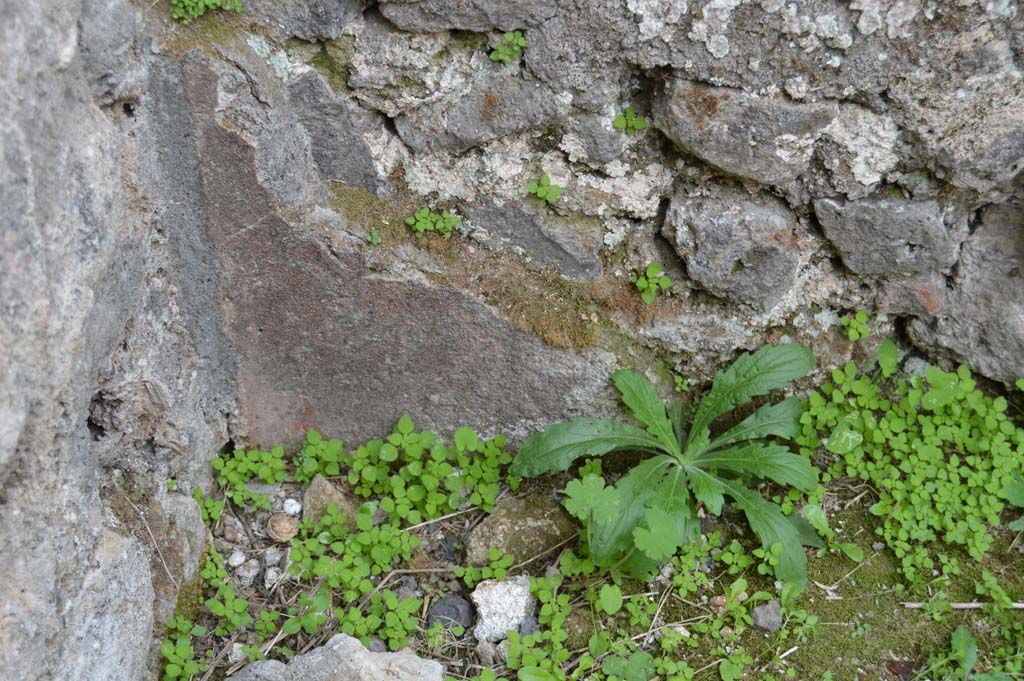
{"type": "Point", "coordinates": [475, 15]}
{"type": "Point", "coordinates": [497, 102]}
{"type": "Point", "coordinates": [767, 617]}
{"type": "Point", "coordinates": [344, 658]}
{"type": "Point", "coordinates": [451, 610]}
{"type": "Point", "coordinates": [174, 275]}
{"type": "Point", "coordinates": [735, 245]}
{"type": "Point", "coordinates": [767, 139]}
{"type": "Point", "coordinates": [322, 493]}
{"type": "Point", "coordinates": [339, 130]}
{"type": "Point", "coordinates": [893, 235]}
{"type": "Point", "coordinates": [545, 238]}
{"type": "Point", "coordinates": [501, 607]}
{"type": "Point", "coordinates": [308, 19]}
{"type": "Point", "coordinates": [523, 527]}
{"type": "Point", "coordinates": [981, 322]}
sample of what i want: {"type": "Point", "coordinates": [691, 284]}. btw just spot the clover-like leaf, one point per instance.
{"type": "Point", "coordinates": [589, 498]}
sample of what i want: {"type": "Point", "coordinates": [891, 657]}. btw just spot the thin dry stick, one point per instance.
{"type": "Point", "coordinates": [789, 652]}
{"type": "Point", "coordinates": [444, 517]}
{"type": "Point", "coordinates": [156, 546]}
{"type": "Point", "coordinates": [545, 552]}
{"type": "Point", "coordinates": [970, 605]}
{"type": "Point", "coordinates": [222, 653]}
{"type": "Point", "coordinates": [657, 613]}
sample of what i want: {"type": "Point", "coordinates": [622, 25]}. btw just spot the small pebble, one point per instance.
{"type": "Point", "coordinates": [272, 556]}
{"type": "Point", "coordinates": [237, 653]}
{"type": "Point", "coordinates": [377, 645]}
{"type": "Point", "coordinates": [236, 558]}
{"type": "Point", "coordinates": [247, 572]}
{"type": "Point", "coordinates": [292, 506]}
{"type": "Point", "coordinates": [231, 533]}
{"type": "Point", "coordinates": [450, 611]}
{"type": "Point", "coordinates": [487, 653]}
{"type": "Point", "coordinates": [767, 617]}
{"type": "Point", "coordinates": [878, 546]}
{"type": "Point", "coordinates": [270, 577]}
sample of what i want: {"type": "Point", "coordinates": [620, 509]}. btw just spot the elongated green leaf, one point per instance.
{"type": "Point", "coordinates": [771, 367]}
{"type": "Point", "coordinates": [808, 535]}
{"type": "Point", "coordinates": [772, 527]}
{"type": "Point", "coordinates": [557, 446]}
{"type": "Point", "coordinates": [673, 497]}
{"type": "Point", "coordinates": [771, 461]}
{"type": "Point", "coordinates": [635, 488]}
{"type": "Point", "coordinates": [782, 420]}
{"type": "Point", "coordinates": [641, 398]}
{"type": "Point", "coordinates": [675, 415]}
{"type": "Point", "coordinates": [707, 489]}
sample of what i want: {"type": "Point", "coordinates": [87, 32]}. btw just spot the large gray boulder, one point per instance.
{"type": "Point", "coordinates": [893, 235]}
{"type": "Point", "coordinates": [344, 658]}
{"type": "Point", "coordinates": [735, 245]}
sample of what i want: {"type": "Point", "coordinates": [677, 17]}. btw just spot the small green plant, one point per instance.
{"type": "Point", "coordinates": [426, 220]}
{"type": "Point", "coordinates": [186, 11]}
{"type": "Point", "coordinates": [177, 650]}
{"type": "Point", "coordinates": [651, 281]}
{"type": "Point", "coordinates": [958, 664]}
{"type": "Point", "coordinates": [420, 477]}
{"type": "Point", "coordinates": [944, 457]}
{"type": "Point", "coordinates": [512, 43]}
{"type": "Point", "coordinates": [496, 569]}
{"type": "Point", "coordinates": [232, 610]}
{"type": "Point", "coordinates": [856, 326]}
{"type": "Point", "coordinates": [241, 466]}
{"type": "Point", "coordinates": [172, 485]}
{"type": "Point", "coordinates": [650, 512]}
{"type": "Point", "coordinates": [682, 384]}
{"type": "Point", "coordinates": [211, 509]}
{"type": "Point", "coordinates": [544, 190]}
{"type": "Point", "coordinates": [318, 457]}
{"type": "Point", "coordinates": [374, 238]}
{"type": "Point", "coordinates": [629, 122]}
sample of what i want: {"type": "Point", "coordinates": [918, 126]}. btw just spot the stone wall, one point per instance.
{"type": "Point", "coordinates": [185, 213]}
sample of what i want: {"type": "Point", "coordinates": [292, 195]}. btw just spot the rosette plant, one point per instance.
{"type": "Point", "coordinates": [652, 509]}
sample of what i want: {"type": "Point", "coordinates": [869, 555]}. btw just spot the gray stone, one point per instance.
{"type": "Point", "coordinates": [497, 102]}
{"type": "Point", "coordinates": [501, 607]}
{"type": "Point", "coordinates": [981, 322]}
{"type": "Point", "coordinates": [471, 15]}
{"type": "Point", "coordinates": [451, 610]}
{"type": "Point", "coordinates": [890, 235]}
{"type": "Point", "coordinates": [338, 129]}
{"type": "Point", "coordinates": [337, 308]}
{"type": "Point", "coordinates": [523, 527]}
{"type": "Point", "coordinates": [107, 29]}
{"type": "Point", "coordinates": [394, 71]}
{"type": "Point", "coordinates": [547, 239]}
{"type": "Point", "coordinates": [113, 620]}
{"type": "Point", "coordinates": [247, 572]}
{"type": "Point", "coordinates": [322, 493]}
{"type": "Point", "coordinates": [735, 245]}
{"type": "Point", "coordinates": [307, 19]}
{"type": "Point", "coordinates": [767, 617]}
{"type": "Point", "coordinates": [344, 658]}
{"type": "Point", "coordinates": [529, 626]}
{"type": "Point", "coordinates": [767, 139]}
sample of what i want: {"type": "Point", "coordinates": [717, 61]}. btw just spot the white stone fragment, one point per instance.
{"type": "Point", "coordinates": [501, 607]}
{"type": "Point", "coordinates": [292, 506]}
